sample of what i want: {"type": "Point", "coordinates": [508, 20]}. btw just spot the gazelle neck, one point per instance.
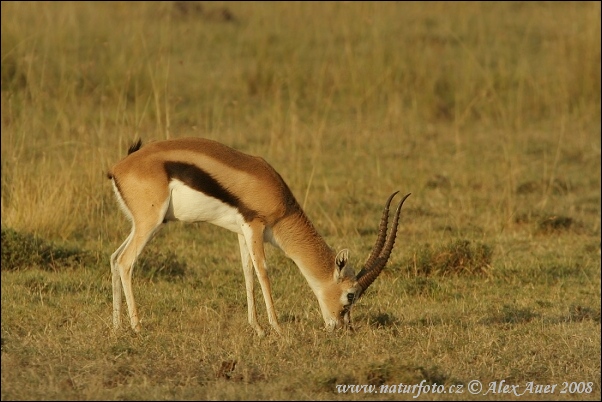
{"type": "Point", "coordinates": [302, 243]}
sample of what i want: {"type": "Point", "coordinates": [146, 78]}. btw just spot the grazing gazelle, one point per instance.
{"type": "Point", "coordinates": [196, 180]}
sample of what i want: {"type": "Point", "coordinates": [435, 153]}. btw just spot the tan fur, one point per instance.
{"type": "Point", "coordinates": [251, 178]}
{"type": "Point", "coordinates": [142, 182]}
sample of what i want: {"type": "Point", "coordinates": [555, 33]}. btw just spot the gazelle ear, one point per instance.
{"type": "Point", "coordinates": [342, 258]}
{"type": "Point", "coordinates": [344, 270]}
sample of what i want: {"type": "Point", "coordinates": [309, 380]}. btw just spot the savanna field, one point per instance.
{"type": "Point", "coordinates": [488, 113]}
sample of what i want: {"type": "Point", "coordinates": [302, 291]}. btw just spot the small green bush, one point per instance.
{"type": "Point", "coordinates": [24, 250]}
{"type": "Point", "coordinates": [460, 257]}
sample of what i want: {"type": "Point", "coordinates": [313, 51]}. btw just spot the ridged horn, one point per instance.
{"type": "Point", "coordinates": [380, 240]}
{"type": "Point", "coordinates": [370, 273]}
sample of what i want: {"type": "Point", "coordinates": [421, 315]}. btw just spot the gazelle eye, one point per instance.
{"type": "Point", "coordinates": [350, 297]}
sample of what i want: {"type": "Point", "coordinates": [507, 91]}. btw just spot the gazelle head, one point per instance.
{"type": "Point", "coordinates": [348, 287]}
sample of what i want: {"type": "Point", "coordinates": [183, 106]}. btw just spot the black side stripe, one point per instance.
{"type": "Point", "coordinates": [201, 181]}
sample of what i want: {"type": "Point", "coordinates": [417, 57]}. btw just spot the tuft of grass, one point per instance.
{"type": "Point", "coordinates": [512, 314]}
{"type": "Point", "coordinates": [548, 224]}
{"type": "Point", "coordinates": [166, 265]}
{"type": "Point", "coordinates": [459, 257]}
{"type": "Point", "coordinates": [556, 223]}
{"type": "Point", "coordinates": [382, 320]}
{"type": "Point", "coordinates": [24, 250]}
{"type": "Point", "coordinates": [421, 286]}
{"type": "Point", "coordinates": [579, 313]}
{"type": "Point", "coordinates": [557, 187]}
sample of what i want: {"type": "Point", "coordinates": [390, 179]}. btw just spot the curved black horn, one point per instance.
{"type": "Point", "coordinates": [365, 280]}
{"type": "Point", "coordinates": [380, 240]}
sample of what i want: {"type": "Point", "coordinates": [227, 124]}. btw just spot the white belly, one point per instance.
{"type": "Point", "coordinates": [189, 205]}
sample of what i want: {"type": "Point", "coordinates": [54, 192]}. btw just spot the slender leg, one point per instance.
{"type": "Point", "coordinates": [247, 267]}
{"type": "Point", "coordinates": [117, 288]}
{"type": "Point", "coordinates": [253, 234]}
{"type": "Point", "coordinates": [125, 264]}
{"type": "Point", "coordinates": [145, 223]}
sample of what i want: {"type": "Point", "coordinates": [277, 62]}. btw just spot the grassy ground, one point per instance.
{"type": "Point", "coordinates": [489, 113]}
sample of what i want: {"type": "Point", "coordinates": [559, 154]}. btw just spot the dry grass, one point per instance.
{"type": "Point", "coordinates": [489, 113]}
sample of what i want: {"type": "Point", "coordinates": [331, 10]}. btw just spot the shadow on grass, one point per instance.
{"type": "Point", "coordinates": [24, 251]}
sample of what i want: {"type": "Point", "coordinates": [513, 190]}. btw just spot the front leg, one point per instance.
{"type": "Point", "coordinates": [253, 235]}
{"type": "Point", "coordinates": [247, 267]}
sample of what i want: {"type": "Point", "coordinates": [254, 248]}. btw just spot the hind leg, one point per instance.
{"type": "Point", "coordinates": [148, 218]}
{"type": "Point", "coordinates": [116, 280]}
{"type": "Point", "coordinates": [123, 266]}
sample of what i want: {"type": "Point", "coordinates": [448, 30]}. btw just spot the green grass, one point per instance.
{"type": "Point", "coordinates": [488, 113]}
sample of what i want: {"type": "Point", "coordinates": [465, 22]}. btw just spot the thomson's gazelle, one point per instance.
{"type": "Point", "coordinates": [194, 180]}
